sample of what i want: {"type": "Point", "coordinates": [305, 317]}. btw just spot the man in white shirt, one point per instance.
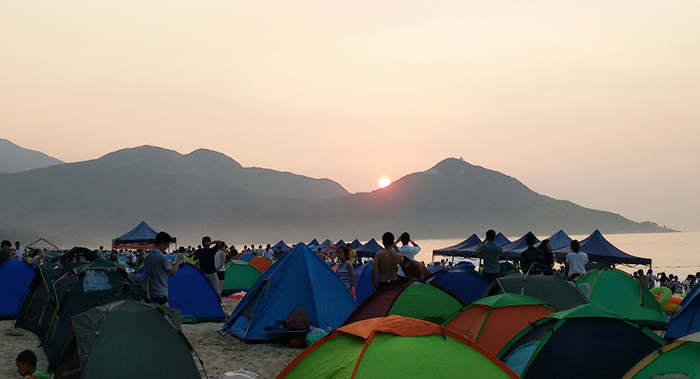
{"type": "Point", "coordinates": [19, 250]}
{"type": "Point", "coordinates": [406, 250]}
{"type": "Point", "coordinates": [575, 261]}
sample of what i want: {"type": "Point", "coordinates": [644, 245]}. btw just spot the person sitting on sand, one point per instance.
{"type": "Point", "coordinates": [385, 263]}
{"type": "Point", "coordinates": [26, 365]}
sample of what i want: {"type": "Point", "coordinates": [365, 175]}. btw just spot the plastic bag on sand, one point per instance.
{"type": "Point", "coordinates": [240, 374]}
{"type": "Point", "coordinates": [314, 334]}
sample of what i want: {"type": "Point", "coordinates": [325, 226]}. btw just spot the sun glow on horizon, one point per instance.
{"type": "Point", "coordinates": [383, 182]}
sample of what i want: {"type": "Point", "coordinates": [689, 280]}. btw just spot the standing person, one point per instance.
{"type": "Point", "coordinates": [652, 278]}
{"type": "Point", "coordinates": [158, 267]}
{"type": "Point", "coordinates": [546, 247]}
{"type": "Point", "coordinates": [5, 251]}
{"type": "Point", "coordinates": [220, 263]}
{"type": "Point", "coordinates": [406, 250]}
{"type": "Point", "coordinates": [490, 252]}
{"type": "Point", "coordinates": [268, 253]}
{"type": "Point", "coordinates": [19, 250]}
{"type": "Point", "coordinates": [206, 256]}
{"type": "Point", "coordinates": [532, 259]}
{"type": "Point", "coordinates": [642, 279]}
{"type": "Point", "coordinates": [575, 261]}
{"type": "Point", "coordinates": [385, 263]}
{"type": "Point", "coordinates": [345, 270]}
{"type": "Point", "coordinates": [232, 253]}
{"type": "Point", "coordinates": [352, 255]}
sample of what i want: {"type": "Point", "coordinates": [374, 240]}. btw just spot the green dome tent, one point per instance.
{"type": "Point", "coordinates": [395, 347]}
{"type": "Point", "coordinates": [408, 299]}
{"type": "Point", "coordinates": [676, 360]}
{"type": "Point", "coordinates": [620, 293]}
{"type": "Point", "coordinates": [130, 339]}
{"type": "Point", "coordinates": [240, 276]}
{"type": "Point", "coordinates": [553, 289]}
{"type": "Point", "coordinates": [585, 342]}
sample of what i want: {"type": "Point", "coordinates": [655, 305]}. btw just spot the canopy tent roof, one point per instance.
{"type": "Point", "coordinates": [599, 249]}
{"type": "Point", "coordinates": [513, 250]}
{"type": "Point", "coordinates": [41, 243]}
{"type": "Point", "coordinates": [501, 239]}
{"type": "Point", "coordinates": [284, 246]}
{"type": "Point", "coordinates": [140, 237]}
{"type": "Point", "coordinates": [466, 248]}
{"type": "Point", "coordinates": [369, 249]}
{"type": "Point", "coordinates": [559, 240]}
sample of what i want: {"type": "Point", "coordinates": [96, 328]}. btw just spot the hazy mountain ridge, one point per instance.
{"type": "Point", "coordinates": [14, 158]}
{"type": "Point", "coordinates": [206, 192]}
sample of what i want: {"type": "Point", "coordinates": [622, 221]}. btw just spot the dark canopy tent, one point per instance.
{"type": "Point", "coordinates": [466, 248]}
{"type": "Point", "coordinates": [356, 244]}
{"type": "Point", "coordinates": [314, 243]}
{"type": "Point", "coordinates": [140, 237]}
{"type": "Point", "coordinates": [560, 240]}
{"type": "Point", "coordinates": [599, 249]}
{"type": "Point", "coordinates": [501, 239]}
{"type": "Point", "coordinates": [369, 249]}
{"type": "Point", "coordinates": [513, 250]}
{"type": "Point", "coordinates": [339, 244]}
{"type": "Point", "coordinates": [284, 246]}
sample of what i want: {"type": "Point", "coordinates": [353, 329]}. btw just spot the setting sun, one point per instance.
{"type": "Point", "coordinates": [383, 182]}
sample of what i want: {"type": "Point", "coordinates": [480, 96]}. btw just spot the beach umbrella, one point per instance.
{"type": "Point", "coordinates": [678, 359]}
{"type": "Point", "coordinates": [588, 341]}
{"type": "Point", "coordinates": [493, 321]}
{"type": "Point", "coordinates": [395, 347]}
{"type": "Point", "coordinates": [408, 299]}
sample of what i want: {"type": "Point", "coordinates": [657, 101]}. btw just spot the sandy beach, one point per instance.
{"type": "Point", "coordinates": [219, 354]}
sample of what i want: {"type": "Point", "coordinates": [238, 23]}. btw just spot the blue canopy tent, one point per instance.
{"type": "Point", "coordinates": [140, 237]}
{"type": "Point", "coordinates": [339, 244]}
{"type": "Point", "coordinates": [369, 249]}
{"type": "Point", "coordinates": [284, 246]}
{"type": "Point", "coordinates": [513, 250]}
{"type": "Point", "coordinates": [356, 244]}
{"type": "Point", "coordinates": [599, 249]}
{"type": "Point", "coordinates": [466, 248]}
{"type": "Point", "coordinates": [501, 239]}
{"type": "Point", "coordinates": [559, 240]}
{"type": "Point", "coordinates": [314, 242]}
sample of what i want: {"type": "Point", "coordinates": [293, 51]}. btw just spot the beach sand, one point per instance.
{"type": "Point", "coordinates": [219, 354]}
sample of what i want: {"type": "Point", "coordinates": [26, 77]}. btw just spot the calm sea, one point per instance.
{"type": "Point", "coordinates": [675, 253]}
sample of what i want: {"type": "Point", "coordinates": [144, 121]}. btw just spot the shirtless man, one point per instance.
{"type": "Point", "coordinates": [385, 263]}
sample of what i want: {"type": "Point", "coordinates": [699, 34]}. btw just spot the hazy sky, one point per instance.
{"type": "Point", "coordinates": [596, 102]}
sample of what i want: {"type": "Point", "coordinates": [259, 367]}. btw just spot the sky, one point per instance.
{"type": "Point", "coordinates": [594, 102]}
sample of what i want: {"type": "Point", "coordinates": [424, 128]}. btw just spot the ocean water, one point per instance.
{"type": "Point", "coordinates": [672, 253]}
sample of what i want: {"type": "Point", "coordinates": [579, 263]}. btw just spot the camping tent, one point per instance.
{"type": "Point", "coordinates": [63, 292]}
{"type": "Point", "coordinates": [599, 249]}
{"type": "Point", "coordinates": [130, 339]}
{"type": "Point", "coordinates": [363, 287]}
{"type": "Point", "coordinates": [395, 347]}
{"type": "Point", "coordinates": [553, 289]}
{"type": "Point", "coordinates": [300, 277]}
{"type": "Point", "coordinates": [493, 321]}
{"type": "Point", "coordinates": [15, 277]}
{"type": "Point", "coordinates": [619, 292]}
{"type": "Point", "coordinates": [140, 237]}
{"type": "Point", "coordinates": [190, 292]}
{"type": "Point", "coordinates": [676, 360]}
{"type": "Point", "coordinates": [467, 285]}
{"type": "Point", "coordinates": [588, 341]}
{"type": "Point", "coordinates": [408, 299]}
{"type": "Point", "coordinates": [687, 320]}
{"type": "Point", "coordinates": [369, 249]}
{"type": "Point", "coordinates": [240, 276]}
{"type": "Point", "coordinates": [261, 263]}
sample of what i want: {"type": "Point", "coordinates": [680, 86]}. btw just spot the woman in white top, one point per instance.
{"type": "Point", "coordinates": [220, 263]}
